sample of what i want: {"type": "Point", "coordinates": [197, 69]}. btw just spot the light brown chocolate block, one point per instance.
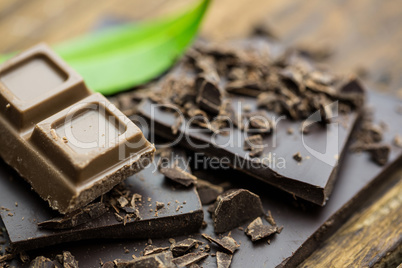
{"type": "Point", "coordinates": [71, 145]}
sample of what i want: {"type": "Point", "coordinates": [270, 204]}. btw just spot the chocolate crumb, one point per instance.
{"type": "Point", "coordinates": [397, 141]}
{"type": "Point", "coordinates": [270, 219]}
{"type": "Point", "coordinates": [159, 205]}
{"type": "Point", "coordinates": [297, 156]}
{"type": "Point", "coordinates": [254, 145]}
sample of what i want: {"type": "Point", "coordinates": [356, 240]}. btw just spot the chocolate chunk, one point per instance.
{"type": "Point", "coordinates": [254, 145]}
{"type": "Point", "coordinates": [180, 248]}
{"type": "Point", "coordinates": [69, 260]}
{"type": "Point", "coordinates": [297, 156]}
{"type": "Point", "coordinates": [152, 250]}
{"type": "Point", "coordinates": [122, 201]}
{"type": "Point", "coordinates": [241, 87]}
{"type": "Point", "coordinates": [108, 264]}
{"type": "Point", "coordinates": [49, 125]}
{"type": "Point", "coordinates": [159, 205]}
{"type": "Point", "coordinates": [78, 217]}
{"type": "Point", "coordinates": [179, 175]}
{"type": "Point", "coordinates": [207, 191]}
{"type": "Point", "coordinates": [227, 243]}
{"type": "Point", "coordinates": [223, 260]}
{"type": "Point", "coordinates": [189, 258]}
{"type": "Point", "coordinates": [257, 230]}
{"type": "Point", "coordinates": [42, 262]}
{"type": "Point", "coordinates": [397, 141]}
{"type": "Point", "coordinates": [163, 259]}
{"type": "Point", "coordinates": [259, 123]}
{"type": "Point", "coordinates": [235, 207]}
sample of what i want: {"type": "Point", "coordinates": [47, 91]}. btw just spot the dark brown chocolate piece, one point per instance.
{"type": "Point", "coordinates": [180, 248]}
{"type": "Point", "coordinates": [189, 258]}
{"type": "Point", "coordinates": [150, 249]}
{"type": "Point", "coordinates": [257, 230]}
{"type": "Point", "coordinates": [223, 260]}
{"type": "Point", "coordinates": [75, 218]}
{"type": "Point", "coordinates": [71, 145]}
{"type": "Point", "coordinates": [227, 243]}
{"type": "Point", "coordinates": [208, 192]}
{"type": "Point", "coordinates": [178, 175]}
{"type": "Point", "coordinates": [235, 207]}
{"type": "Point", "coordinates": [138, 189]}
{"type": "Point", "coordinates": [269, 218]}
{"type": "Point", "coordinates": [163, 259]}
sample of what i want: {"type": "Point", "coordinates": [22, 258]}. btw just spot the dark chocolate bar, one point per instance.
{"type": "Point", "coordinates": [71, 145]}
{"type": "Point", "coordinates": [155, 220]}
{"type": "Point", "coordinates": [305, 225]}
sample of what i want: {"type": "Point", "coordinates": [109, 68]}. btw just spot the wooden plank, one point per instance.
{"type": "Point", "coordinates": [370, 237]}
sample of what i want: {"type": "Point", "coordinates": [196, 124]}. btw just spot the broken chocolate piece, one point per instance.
{"type": "Point", "coordinates": [254, 145]}
{"type": "Point", "coordinates": [379, 152]}
{"type": "Point", "coordinates": [235, 207]}
{"type": "Point", "coordinates": [152, 250]}
{"type": "Point", "coordinates": [223, 260]}
{"type": "Point", "coordinates": [178, 175]}
{"type": "Point", "coordinates": [189, 259]}
{"type": "Point", "coordinates": [180, 248]}
{"type": "Point", "coordinates": [69, 260]}
{"type": "Point", "coordinates": [73, 219]}
{"type": "Point", "coordinates": [163, 259]}
{"type": "Point", "coordinates": [259, 123]}
{"type": "Point", "coordinates": [257, 230]}
{"type": "Point", "coordinates": [397, 141]}
{"type": "Point", "coordinates": [270, 219]}
{"type": "Point", "coordinates": [227, 243]}
{"type": "Point", "coordinates": [159, 205]}
{"type": "Point", "coordinates": [65, 141]}
{"type": "Point", "coordinates": [208, 192]}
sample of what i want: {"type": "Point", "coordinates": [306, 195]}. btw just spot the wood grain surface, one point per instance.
{"type": "Point", "coordinates": [363, 36]}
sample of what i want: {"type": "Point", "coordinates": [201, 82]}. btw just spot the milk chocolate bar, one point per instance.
{"type": "Point", "coordinates": [71, 145]}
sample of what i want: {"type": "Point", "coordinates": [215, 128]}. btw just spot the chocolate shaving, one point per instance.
{"type": "Point", "coordinates": [223, 260]}
{"type": "Point", "coordinates": [257, 230]}
{"type": "Point", "coordinates": [189, 258]}
{"type": "Point", "coordinates": [163, 259]}
{"type": "Point", "coordinates": [178, 175]}
{"type": "Point", "coordinates": [227, 243]}
{"type": "Point", "coordinates": [270, 219]}
{"type": "Point", "coordinates": [75, 218]}
{"type": "Point", "coordinates": [180, 248]}
{"type": "Point", "coordinates": [152, 250]}
{"type": "Point", "coordinates": [235, 207]}
{"type": "Point", "coordinates": [254, 145]}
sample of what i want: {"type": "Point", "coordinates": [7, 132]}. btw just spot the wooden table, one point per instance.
{"type": "Point", "coordinates": [364, 37]}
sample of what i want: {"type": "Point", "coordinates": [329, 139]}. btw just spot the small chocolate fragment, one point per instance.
{"type": "Point", "coordinates": [189, 258]}
{"type": "Point", "coordinates": [257, 230]}
{"type": "Point", "coordinates": [227, 243]}
{"type": "Point", "coordinates": [209, 94]}
{"type": "Point", "coordinates": [41, 262]}
{"type": "Point", "coordinates": [122, 201]}
{"type": "Point", "coordinates": [259, 123]}
{"type": "Point", "coordinates": [6, 257]}
{"type": "Point", "coordinates": [235, 207]}
{"type": "Point", "coordinates": [180, 248]}
{"type": "Point", "coordinates": [223, 260]}
{"type": "Point", "coordinates": [270, 219]}
{"type": "Point", "coordinates": [163, 259]}
{"type": "Point", "coordinates": [159, 205]}
{"type": "Point", "coordinates": [207, 191]}
{"type": "Point", "coordinates": [68, 260]}
{"type": "Point", "coordinates": [24, 257]}
{"type": "Point", "coordinates": [78, 217]}
{"type": "Point", "coordinates": [108, 264]}
{"type": "Point", "coordinates": [178, 175]}
{"type": "Point", "coordinates": [297, 156]}
{"type": "Point", "coordinates": [152, 250]}
{"type": "Point", "coordinates": [241, 87]}
{"type": "Point", "coordinates": [379, 152]}
{"type": "Point", "coordinates": [254, 145]}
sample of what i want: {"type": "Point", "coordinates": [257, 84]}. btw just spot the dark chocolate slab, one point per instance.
{"type": "Point", "coordinates": [310, 179]}
{"type": "Point", "coordinates": [305, 225]}
{"type": "Point", "coordinates": [28, 210]}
